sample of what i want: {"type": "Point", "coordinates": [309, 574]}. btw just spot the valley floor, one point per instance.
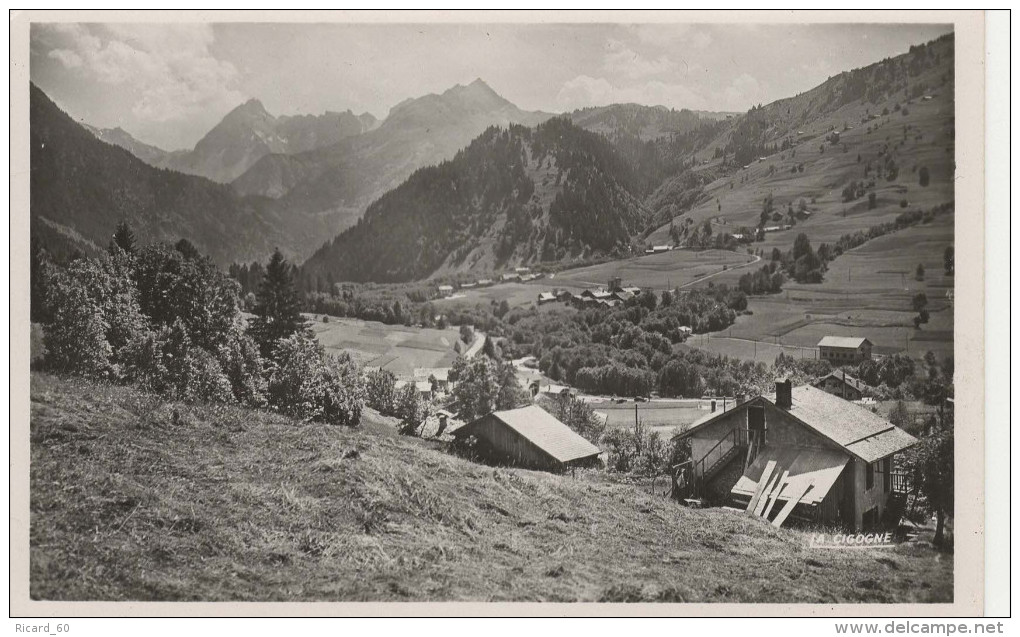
{"type": "Point", "coordinates": [133, 498]}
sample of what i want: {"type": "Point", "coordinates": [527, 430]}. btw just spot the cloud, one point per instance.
{"type": "Point", "coordinates": [738, 95]}
{"type": "Point", "coordinates": [621, 59]}
{"type": "Point", "coordinates": [744, 91]}
{"type": "Point", "coordinates": [701, 40]}
{"type": "Point", "coordinates": [69, 59]}
{"type": "Point", "coordinates": [168, 70]}
{"type": "Point", "coordinates": [584, 90]}
{"type": "Point", "coordinates": [673, 35]}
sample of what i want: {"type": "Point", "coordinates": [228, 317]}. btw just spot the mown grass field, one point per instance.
{"type": "Point", "coordinates": [136, 499]}
{"type": "Point", "coordinates": [396, 348]}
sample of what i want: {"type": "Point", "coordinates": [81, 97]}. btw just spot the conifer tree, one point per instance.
{"type": "Point", "coordinates": [123, 238]}
{"type": "Point", "coordinates": [40, 275]}
{"type": "Point", "coordinates": [278, 305]}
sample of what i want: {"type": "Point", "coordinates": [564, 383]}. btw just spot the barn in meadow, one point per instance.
{"type": "Point", "coordinates": [800, 452]}
{"type": "Point", "coordinates": [529, 437]}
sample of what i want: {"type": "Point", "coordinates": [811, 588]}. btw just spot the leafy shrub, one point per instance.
{"type": "Point", "coordinates": [680, 378]}
{"type": "Point", "coordinates": [578, 415]}
{"type": "Point", "coordinates": [176, 284]}
{"type": "Point", "coordinates": [205, 380]}
{"type": "Point", "coordinates": [242, 363]}
{"type": "Point", "coordinates": [168, 363]}
{"type": "Point", "coordinates": [380, 391]}
{"type": "Point", "coordinates": [37, 345]}
{"type": "Point", "coordinates": [93, 313]}
{"type": "Point", "coordinates": [485, 384]}
{"type": "Point", "coordinates": [410, 408]}
{"type": "Point", "coordinates": [75, 338]}
{"type": "Point", "coordinates": [307, 382]}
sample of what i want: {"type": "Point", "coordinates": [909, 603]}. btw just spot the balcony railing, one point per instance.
{"type": "Point", "coordinates": [689, 477]}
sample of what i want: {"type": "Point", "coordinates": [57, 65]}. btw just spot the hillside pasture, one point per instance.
{"type": "Point", "coordinates": [736, 199]}
{"type": "Point", "coordinates": [867, 291]}
{"type": "Point", "coordinates": [137, 499]}
{"type": "Point", "coordinates": [396, 348]}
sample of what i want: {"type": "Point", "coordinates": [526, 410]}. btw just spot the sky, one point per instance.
{"type": "Point", "coordinates": [168, 84]}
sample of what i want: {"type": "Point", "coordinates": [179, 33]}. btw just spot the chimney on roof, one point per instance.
{"type": "Point", "coordinates": [784, 394]}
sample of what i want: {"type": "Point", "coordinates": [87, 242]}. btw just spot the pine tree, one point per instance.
{"type": "Point", "coordinates": [278, 307]}
{"type": "Point", "coordinates": [489, 348]}
{"type": "Point", "coordinates": [40, 275]}
{"type": "Point", "coordinates": [123, 238]}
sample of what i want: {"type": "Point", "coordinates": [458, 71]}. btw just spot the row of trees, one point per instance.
{"type": "Point", "coordinates": [164, 318]}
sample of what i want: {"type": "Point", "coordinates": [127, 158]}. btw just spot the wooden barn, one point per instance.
{"type": "Point", "coordinates": [529, 437]}
{"type": "Point", "coordinates": [802, 449]}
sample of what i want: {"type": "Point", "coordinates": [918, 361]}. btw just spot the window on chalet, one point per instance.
{"type": "Point", "coordinates": [887, 475]}
{"type": "Point", "coordinates": [870, 476]}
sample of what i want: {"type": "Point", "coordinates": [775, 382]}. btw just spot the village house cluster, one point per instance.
{"type": "Point", "coordinates": [612, 295]}
{"type": "Point", "coordinates": [520, 274]}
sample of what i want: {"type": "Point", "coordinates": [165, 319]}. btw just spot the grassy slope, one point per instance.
{"type": "Point", "coordinates": [227, 504]}
{"type": "Point", "coordinates": [877, 301]}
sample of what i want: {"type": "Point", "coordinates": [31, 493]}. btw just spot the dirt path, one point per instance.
{"type": "Point", "coordinates": [709, 276]}
{"type": "Point", "coordinates": [476, 345]}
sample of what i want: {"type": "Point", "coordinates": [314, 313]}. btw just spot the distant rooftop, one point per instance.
{"type": "Point", "coordinates": [852, 342]}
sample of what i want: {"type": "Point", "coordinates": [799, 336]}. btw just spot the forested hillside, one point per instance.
{"type": "Point", "coordinates": [515, 195]}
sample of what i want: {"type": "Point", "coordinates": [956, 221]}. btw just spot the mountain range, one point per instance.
{"type": "Point", "coordinates": [78, 202]}
{"type": "Point", "coordinates": [243, 137]}
{"type": "Point", "coordinates": [458, 180]}
{"type": "Point", "coordinates": [339, 181]}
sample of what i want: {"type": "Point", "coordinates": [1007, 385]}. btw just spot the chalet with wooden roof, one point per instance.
{"type": "Point", "coordinates": [529, 437]}
{"type": "Point", "coordinates": [839, 383]}
{"type": "Point", "coordinates": [801, 452]}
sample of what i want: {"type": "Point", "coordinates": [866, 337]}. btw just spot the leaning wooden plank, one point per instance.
{"type": "Point", "coordinates": [765, 475]}
{"type": "Point", "coordinates": [765, 494]}
{"type": "Point", "coordinates": [775, 494]}
{"type": "Point", "coordinates": [785, 512]}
